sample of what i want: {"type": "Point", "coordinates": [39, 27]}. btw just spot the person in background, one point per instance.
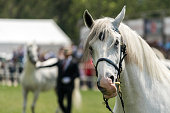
{"type": "Point", "coordinates": [89, 72]}
{"type": "Point", "coordinates": [12, 70]}
{"type": "Point", "coordinates": [12, 66]}
{"type": "Point", "coordinates": [68, 71]}
{"type": "Point", "coordinates": [20, 59]}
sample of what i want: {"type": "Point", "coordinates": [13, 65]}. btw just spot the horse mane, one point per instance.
{"type": "Point", "coordinates": [158, 53]}
{"type": "Point", "coordinates": [138, 51]}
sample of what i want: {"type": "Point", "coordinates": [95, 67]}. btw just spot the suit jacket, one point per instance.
{"type": "Point", "coordinates": [71, 71]}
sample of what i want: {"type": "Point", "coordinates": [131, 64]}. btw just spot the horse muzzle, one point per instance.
{"type": "Point", "coordinates": [107, 87]}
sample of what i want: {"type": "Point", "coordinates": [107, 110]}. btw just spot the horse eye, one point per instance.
{"type": "Point", "coordinates": [101, 36]}
{"type": "Point", "coordinates": [116, 43]}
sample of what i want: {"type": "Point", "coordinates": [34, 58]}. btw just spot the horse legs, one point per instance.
{"type": "Point", "coordinates": [36, 94]}
{"type": "Point", "coordinates": [25, 94]}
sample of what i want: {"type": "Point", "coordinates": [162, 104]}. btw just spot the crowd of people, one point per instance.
{"type": "Point", "coordinates": [10, 70]}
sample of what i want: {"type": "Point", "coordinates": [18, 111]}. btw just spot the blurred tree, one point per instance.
{"type": "Point", "coordinates": [68, 13]}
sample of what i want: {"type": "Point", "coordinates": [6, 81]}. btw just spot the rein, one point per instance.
{"type": "Point", "coordinates": [119, 69]}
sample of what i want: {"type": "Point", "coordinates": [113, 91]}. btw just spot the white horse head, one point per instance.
{"type": "Point", "coordinates": [32, 54]}
{"type": "Point", "coordinates": [105, 42]}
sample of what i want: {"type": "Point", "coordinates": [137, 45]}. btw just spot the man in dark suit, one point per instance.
{"type": "Point", "coordinates": [67, 72]}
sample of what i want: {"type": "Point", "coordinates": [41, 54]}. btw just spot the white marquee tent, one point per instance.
{"type": "Point", "coordinates": [15, 32]}
{"type": "Point", "coordinates": [42, 31]}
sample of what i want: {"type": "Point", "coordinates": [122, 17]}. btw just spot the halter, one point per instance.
{"type": "Point", "coordinates": [119, 69]}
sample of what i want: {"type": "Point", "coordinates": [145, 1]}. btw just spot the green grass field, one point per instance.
{"type": "Point", "coordinates": [11, 101]}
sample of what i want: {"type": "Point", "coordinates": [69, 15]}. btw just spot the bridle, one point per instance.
{"type": "Point", "coordinates": [118, 68]}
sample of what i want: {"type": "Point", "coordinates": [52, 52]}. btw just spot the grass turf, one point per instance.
{"type": "Point", "coordinates": [11, 101]}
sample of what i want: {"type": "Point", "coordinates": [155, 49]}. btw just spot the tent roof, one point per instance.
{"type": "Point", "coordinates": [41, 31]}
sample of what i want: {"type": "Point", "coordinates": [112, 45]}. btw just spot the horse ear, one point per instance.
{"type": "Point", "coordinates": [119, 18]}
{"type": "Point", "coordinates": [88, 20]}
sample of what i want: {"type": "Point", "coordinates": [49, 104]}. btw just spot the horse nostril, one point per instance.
{"type": "Point", "coordinates": [112, 77]}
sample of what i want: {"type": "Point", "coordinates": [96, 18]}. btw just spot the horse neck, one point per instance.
{"type": "Point", "coordinates": [140, 91]}
{"type": "Point", "coordinates": [133, 87]}
{"type": "Point", "coordinates": [142, 75]}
